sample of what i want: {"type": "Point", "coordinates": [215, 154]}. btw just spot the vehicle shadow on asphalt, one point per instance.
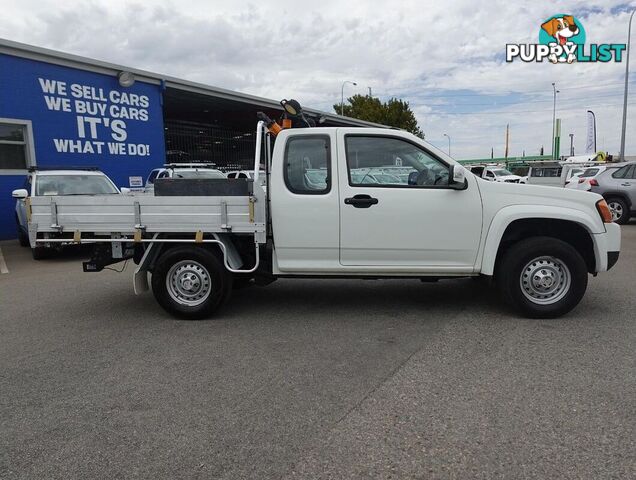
{"type": "Point", "coordinates": [365, 298]}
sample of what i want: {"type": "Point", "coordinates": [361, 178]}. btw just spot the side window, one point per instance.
{"type": "Point", "coordinates": [489, 174]}
{"type": "Point", "coordinates": [628, 171]}
{"type": "Point", "coordinates": [163, 174]}
{"type": "Point", "coordinates": [621, 172]}
{"type": "Point", "coordinates": [308, 165]}
{"type": "Point", "coordinates": [391, 162]}
{"type": "Point", "coordinates": [14, 151]}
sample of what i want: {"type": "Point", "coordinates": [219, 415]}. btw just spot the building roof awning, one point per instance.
{"type": "Point", "coordinates": [10, 47]}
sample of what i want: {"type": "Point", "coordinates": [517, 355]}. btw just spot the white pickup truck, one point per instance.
{"type": "Point", "coordinates": [427, 220]}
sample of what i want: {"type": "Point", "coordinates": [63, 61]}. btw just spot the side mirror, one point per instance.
{"type": "Point", "coordinates": [457, 177]}
{"type": "Point", "coordinates": [20, 193]}
{"type": "Point", "coordinates": [125, 190]}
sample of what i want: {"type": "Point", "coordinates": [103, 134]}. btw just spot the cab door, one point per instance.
{"type": "Point", "coordinates": [397, 208]}
{"type": "Point", "coordinates": [304, 201]}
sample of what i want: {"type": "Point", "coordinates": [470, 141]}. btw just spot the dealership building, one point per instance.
{"type": "Point", "coordinates": [64, 110]}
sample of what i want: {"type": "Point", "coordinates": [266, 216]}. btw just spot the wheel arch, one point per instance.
{"type": "Point", "coordinates": [572, 226]}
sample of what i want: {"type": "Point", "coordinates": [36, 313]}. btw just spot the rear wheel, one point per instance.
{"type": "Point", "coordinates": [542, 277]}
{"type": "Point", "coordinates": [619, 209]}
{"type": "Point", "coordinates": [190, 282]}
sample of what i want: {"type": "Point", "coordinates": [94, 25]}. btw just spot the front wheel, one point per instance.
{"type": "Point", "coordinates": [190, 282]}
{"type": "Point", "coordinates": [619, 209]}
{"type": "Point", "coordinates": [542, 277]}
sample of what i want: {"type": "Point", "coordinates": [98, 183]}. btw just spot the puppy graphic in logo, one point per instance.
{"type": "Point", "coordinates": [562, 29]}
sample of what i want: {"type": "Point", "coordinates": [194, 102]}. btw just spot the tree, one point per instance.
{"type": "Point", "coordinates": [394, 113]}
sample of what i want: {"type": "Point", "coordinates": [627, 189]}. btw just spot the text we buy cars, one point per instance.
{"type": "Point", "coordinates": [562, 40]}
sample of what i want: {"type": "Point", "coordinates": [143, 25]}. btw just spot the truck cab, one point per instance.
{"type": "Point", "coordinates": [355, 222]}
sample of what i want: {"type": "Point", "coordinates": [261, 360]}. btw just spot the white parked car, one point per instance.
{"type": "Point", "coordinates": [587, 177]}
{"type": "Point", "coordinates": [42, 182]}
{"type": "Point", "coordinates": [495, 174]}
{"type": "Point", "coordinates": [573, 181]}
{"type": "Point", "coordinates": [182, 170]}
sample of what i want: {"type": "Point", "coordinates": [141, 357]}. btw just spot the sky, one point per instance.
{"type": "Point", "coordinates": [447, 59]}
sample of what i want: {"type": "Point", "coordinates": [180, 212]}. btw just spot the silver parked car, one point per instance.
{"type": "Point", "coordinates": [618, 187]}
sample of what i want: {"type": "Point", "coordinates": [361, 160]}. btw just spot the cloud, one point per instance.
{"type": "Point", "coordinates": [445, 58]}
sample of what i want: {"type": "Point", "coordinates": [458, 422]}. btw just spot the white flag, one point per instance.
{"type": "Point", "coordinates": [590, 144]}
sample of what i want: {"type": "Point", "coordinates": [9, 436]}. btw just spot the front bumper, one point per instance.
{"type": "Point", "coordinates": [607, 247]}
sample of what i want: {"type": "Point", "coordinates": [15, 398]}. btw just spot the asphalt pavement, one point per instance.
{"type": "Point", "coordinates": [312, 379]}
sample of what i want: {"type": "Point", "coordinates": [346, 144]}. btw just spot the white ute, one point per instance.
{"type": "Point", "coordinates": [434, 221]}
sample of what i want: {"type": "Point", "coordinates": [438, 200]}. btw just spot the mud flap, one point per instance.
{"type": "Point", "coordinates": [140, 281]}
{"type": "Point", "coordinates": [140, 277]}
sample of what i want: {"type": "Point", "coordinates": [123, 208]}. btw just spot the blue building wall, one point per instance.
{"type": "Point", "coordinates": [80, 118]}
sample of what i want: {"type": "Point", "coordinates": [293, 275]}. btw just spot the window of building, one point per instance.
{"type": "Point", "coordinates": [307, 165]}
{"type": "Point", "coordinates": [14, 146]}
{"type": "Point", "coordinates": [392, 162]}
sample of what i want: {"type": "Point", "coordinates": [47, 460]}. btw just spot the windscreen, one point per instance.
{"type": "Point", "coordinates": [75, 184]}
{"type": "Point", "coordinates": [501, 172]}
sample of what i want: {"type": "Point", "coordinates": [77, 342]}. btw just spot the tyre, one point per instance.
{"type": "Point", "coordinates": [23, 238]}
{"type": "Point", "coordinates": [190, 282]}
{"type": "Point", "coordinates": [542, 277]}
{"type": "Point", "coordinates": [619, 209]}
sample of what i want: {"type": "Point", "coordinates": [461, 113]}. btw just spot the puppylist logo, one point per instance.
{"type": "Point", "coordinates": [562, 40]}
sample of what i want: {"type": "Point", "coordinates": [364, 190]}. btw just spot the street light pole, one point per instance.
{"type": "Point", "coordinates": [629, 34]}
{"type": "Point", "coordinates": [447, 136]}
{"type": "Point", "coordinates": [554, 117]}
{"type": "Point", "coordinates": [571, 144]}
{"type": "Point", "coordinates": [342, 94]}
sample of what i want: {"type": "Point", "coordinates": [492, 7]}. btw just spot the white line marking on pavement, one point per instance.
{"type": "Point", "coordinates": [3, 264]}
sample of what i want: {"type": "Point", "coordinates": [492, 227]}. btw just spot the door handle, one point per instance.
{"type": "Point", "coordinates": [627, 184]}
{"type": "Point", "coordinates": [361, 201]}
